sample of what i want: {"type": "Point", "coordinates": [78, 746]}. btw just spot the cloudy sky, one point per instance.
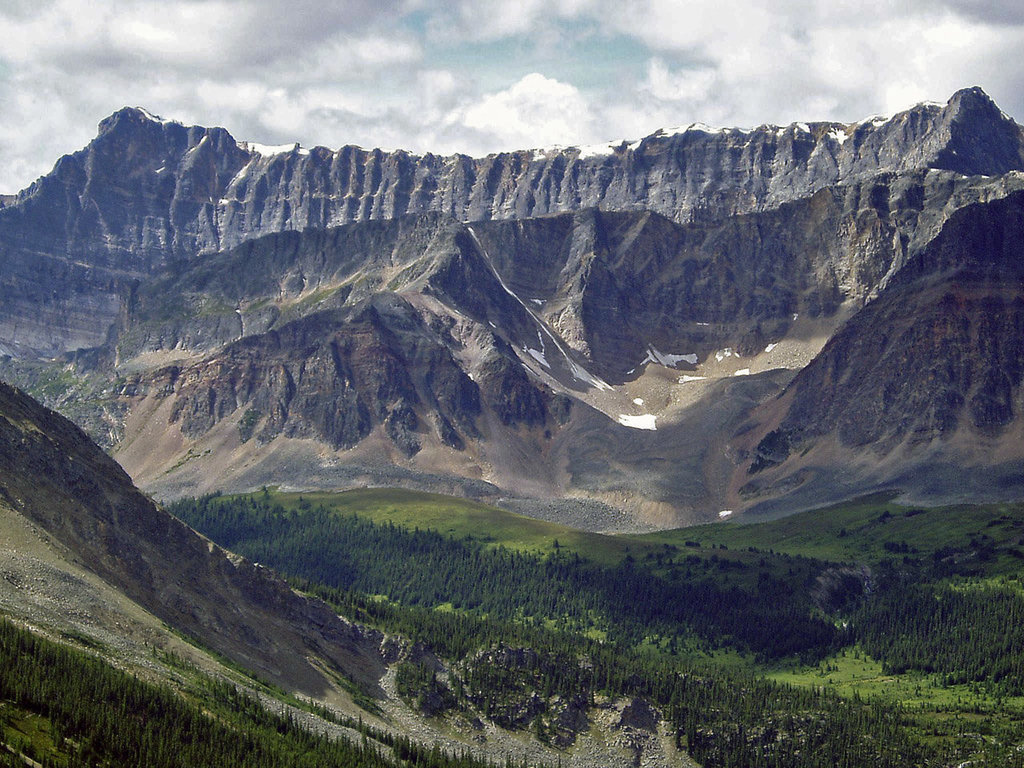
{"type": "Point", "coordinates": [480, 76]}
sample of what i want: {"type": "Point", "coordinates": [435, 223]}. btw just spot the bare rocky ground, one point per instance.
{"type": "Point", "coordinates": [44, 588]}
{"type": "Point", "coordinates": [613, 738]}
{"type": "Point", "coordinates": [584, 514]}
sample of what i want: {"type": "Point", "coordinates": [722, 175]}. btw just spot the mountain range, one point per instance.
{"type": "Point", "coordinates": [701, 323]}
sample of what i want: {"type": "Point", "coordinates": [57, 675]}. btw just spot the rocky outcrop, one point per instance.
{"type": "Point", "coordinates": [334, 376]}
{"type": "Point", "coordinates": [298, 333]}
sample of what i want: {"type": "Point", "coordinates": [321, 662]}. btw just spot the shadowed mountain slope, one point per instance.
{"type": "Point", "coordinates": [931, 370]}
{"type": "Point", "coordinates": [54, 476]}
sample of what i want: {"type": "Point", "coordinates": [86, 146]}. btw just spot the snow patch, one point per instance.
{"type": "Point", "coordinates": [684, 379]}
{"type": "Point", "coordinates": [155, 118]}
{"type": "Point", "coordinates": [538, 302]}
{"type": "Point", "coordinates": [692, 127]}
{"type": "Point", "coordinates": [538, 356]}
{"type": "Point", "coordinates": [542, 153]}
{"type": "Point", "coordinates": [721, 354]}
{"type": "Point", "coordinates": [600, 150]}
{"type": "Point", "coordinates": [243, 173]}
{"type": "Point", "coordinates": [585, 376]}
{"type": "Point", "coordinates": [837, 135]}
{"type": "Point", "coordinates": [638, 401]}
{"type": "Point", "coordinates": [724, 513]}
{"type": "Point", "coordinates": [267, 150]}
{"type": "Point", "coordinates": [669, 361]}
{"type": "Point", "coordinates": [771, 346]}
{"type": "Point", "coordinates": [802, 127]}
{"type": "Point", "coordinates": [201, 142]}
{"type": "Point", "coordinates": [643, 421]}
{"type": "Point", "coordinates": [742, 372]}
{"type": "Point", "coordinates": [795, 316]}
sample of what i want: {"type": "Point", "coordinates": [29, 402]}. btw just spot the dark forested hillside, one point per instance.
{"type": "Point", "coordinates": [99, 715]}
{"type": "Point", "coordinates": [514, 634]}
{"type": "Point", "coordinates": [757, 612]}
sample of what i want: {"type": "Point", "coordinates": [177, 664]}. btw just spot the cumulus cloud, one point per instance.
{"type": "Point", "coordinates": [535, 111]}
{"type": "Point", "coordinates": [496, 19]}
{"type": "Point", "coordinates": [485, 75]}
{"type": "Point", "coordinates": [664, 84]}
{"type": "Point", "coordinates": [785, 57]}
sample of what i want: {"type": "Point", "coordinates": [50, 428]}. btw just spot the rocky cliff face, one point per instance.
{"type": "Point", "coordinates": [157, 189]}
{"type": "Point", "coordinates": [932, 366]}
{"type": "Point", "coordinates": [505, 318]}
{"type": "Point", "coordinates": [147, 193]}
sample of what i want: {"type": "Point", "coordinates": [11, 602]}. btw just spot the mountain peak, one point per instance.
{"type": "Point", "coordinates": [136, 116]}
{"type": "Point", "coordinates": [982, 139]}
{"type": "Point", "coordinates": [150, 116]}
{"type": "Point", "coordinates": [974, 98]}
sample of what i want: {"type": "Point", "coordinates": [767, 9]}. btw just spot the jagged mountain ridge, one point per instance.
{"type": "Point", "coordinates": [147, 192]}
{"type": "Point", "coordinates": [475, 338]}
{"type": "Point", "coordinates": [215, 192]}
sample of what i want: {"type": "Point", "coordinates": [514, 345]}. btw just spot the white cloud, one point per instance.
{"type": "Point", "coordinates": [534, 112]}
{"type": "Point", "coordinates": [366, 72]}
{"type": "Point", "coordinates": [346, 57]}
{"type": "Point", "coordinates": [191, 34]}
{"type": "Point", "coordinates": [745, 62]}
{"type": "Point", "coordinates": [680, 85]}
{"type": "Point", "coordinates": [495, 19]}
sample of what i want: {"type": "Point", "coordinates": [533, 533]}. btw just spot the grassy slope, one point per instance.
{"type": "Point", "coordinates": [860, 531]}
{"type": "Point", "coordinates": [461, 518]}
{"type": "Point", "coordinates": [856, 532]}
{"type": "Point", "coordinates": [868, 530]}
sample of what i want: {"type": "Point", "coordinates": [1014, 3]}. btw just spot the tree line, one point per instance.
{"type": "Point", "coordinates": [629, 602]}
